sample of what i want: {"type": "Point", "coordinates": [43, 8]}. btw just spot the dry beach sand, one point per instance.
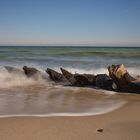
{"type": "Point", "coordinates": [121, 124]}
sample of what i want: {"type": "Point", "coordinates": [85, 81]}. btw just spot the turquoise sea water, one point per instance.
{"type": "Point", "coordinates": [22, 96]}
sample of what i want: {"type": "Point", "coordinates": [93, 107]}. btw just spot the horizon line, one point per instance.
{"type": "Point", "coordinates": [66, 46]}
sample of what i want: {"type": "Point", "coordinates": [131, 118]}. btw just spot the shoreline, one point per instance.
{"type": "Point", "coordinates": [122, 123]}
{"type": "Point", "coordinates": [102, 102]}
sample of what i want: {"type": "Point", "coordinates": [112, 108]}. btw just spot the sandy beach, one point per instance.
{"type": "Point", "coordinates": [121, 124]}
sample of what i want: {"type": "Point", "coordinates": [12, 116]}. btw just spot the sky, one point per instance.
{"type": "Point", "coordinates": [70, 22]}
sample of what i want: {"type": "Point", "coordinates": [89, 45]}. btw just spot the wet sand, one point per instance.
{"type": "Point", "coordinates": [121, 124]}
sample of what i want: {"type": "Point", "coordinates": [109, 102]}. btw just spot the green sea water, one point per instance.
{"type": "Point", "coordinates": [66, 56]}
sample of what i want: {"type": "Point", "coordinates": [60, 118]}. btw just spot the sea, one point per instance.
{"type": "Point", "coordinates": [22, 96]}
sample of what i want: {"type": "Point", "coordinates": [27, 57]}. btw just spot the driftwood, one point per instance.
{"type": "Point", "coordinates": [100, 80]}
{"type": "Point", "coordinates": [85, 79]}
{"type": "Point", "coordinates": [14, 70]}
{"type": "Point", "coordinates": [55, 76]}
{"type": "Point", "coordinates": [124, 81]}
{"type": "Point", "coordinates": [118, 80]}
{"type": "Point", "coordinates": [69, 76]}
{"type": "Point", "coordinates": [104, 81]}
{"type": "Point", "coordinates": [32, 72]}
{"type": "Point", "coordinates": [79, 79]}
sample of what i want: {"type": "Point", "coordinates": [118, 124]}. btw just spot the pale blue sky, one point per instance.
{"type": "Point", "coordinates": [70, 22]}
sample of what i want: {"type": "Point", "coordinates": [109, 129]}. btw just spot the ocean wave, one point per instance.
{"type": "Point", "coordinates": [8, 80]}
{"type": "Point", "coordinates": [12, 80]}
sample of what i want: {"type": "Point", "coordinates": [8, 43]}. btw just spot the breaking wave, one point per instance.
{"type": "Point", "coordinates": [8, 80]}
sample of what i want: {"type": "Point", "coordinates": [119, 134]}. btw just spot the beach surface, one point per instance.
{"type": "Point", "coordinates": [23, 100]}
{"type": "Point", "coordinates": [120, 124]}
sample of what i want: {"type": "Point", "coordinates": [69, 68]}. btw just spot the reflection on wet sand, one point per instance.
{"type": "Point", "coordinates": [42, 99]}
